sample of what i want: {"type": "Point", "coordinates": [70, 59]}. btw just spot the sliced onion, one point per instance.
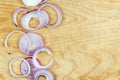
{"type": "Point", "coordinates": [42, 16]}
{"type": "Point", "coordinates": [18, 31]}
{"type": "Point", "coordinates": [33, 2]}
{"type": "Point", "coordinates": [59, 12]}
{"type": "Point", "coordinates": [16, 13]}
{"type": "Point", "coordinates": [48, 75]}
{"type": "Point", "coordinates": [19, 75]}
{"type": "Point", "coordinates": [24, 69]}
{"type": "Point", "coordinates": [35, 63]}
{"type": "Point", "coordinates": [36, 43]}
{"type": "Point", "coordinates": [43, 1]}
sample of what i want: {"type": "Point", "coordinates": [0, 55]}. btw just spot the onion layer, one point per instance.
{"type": "Point", "coordinates": [43, 1]}
{"type": "Point", "coordinates": [36, 43]}
{"type": "Point", "coordinates": [48, 75]}
{"type": "Point", "coordinates": [18, 31]}
{"type": "Point", "coordinates": [35, 63]}
{"type": "Point", "coordinates": [24, 69]}
{"type": "Point", "coordinates": [18, 75]}
{"type": "Point", "coordinates": [16, 13]}
{"type": "Point", "coordinates": [59, 12]}
{"type": "Point", "coordinates": [42, 16]}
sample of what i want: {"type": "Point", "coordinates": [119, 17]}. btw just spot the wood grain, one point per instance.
{"type": "Point", "coordinates": [85, 46]}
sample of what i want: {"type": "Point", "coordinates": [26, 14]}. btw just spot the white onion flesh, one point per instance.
{"type": "Point", "coordinates": [31, 2]}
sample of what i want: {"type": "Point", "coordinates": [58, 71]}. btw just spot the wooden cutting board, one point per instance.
{"type": "Point", "coordinates": [86, 46]}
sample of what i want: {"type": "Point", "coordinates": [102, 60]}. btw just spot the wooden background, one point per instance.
{"type": "Point", "coordinates": [86, 46]}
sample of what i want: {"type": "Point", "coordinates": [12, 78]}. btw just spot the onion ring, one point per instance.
{"type": "Point", "coordinates": [18, 31]}
{"type": "Point", "coordinates": [42, 16]}
{"type": "Point", "coordinates": [18, 75]}
{"type": "Point", "coordinates": [59, 12]}
{"type": "Point", "coordinates": [36, 43]}
{"type": "Point", "coordinates": [48, 75]}
{"type": "Point", "coordinates": [16, 13]}
{"type": "Point", "coordinates": [36, 64]}
{"type": "Point", "coordinates": [33, 2]}
{"type": "Point", "coordinates": [33, 69]}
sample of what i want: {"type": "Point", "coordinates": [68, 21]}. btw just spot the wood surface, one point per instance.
{"type": "Point", "coordinates": [86, 46]}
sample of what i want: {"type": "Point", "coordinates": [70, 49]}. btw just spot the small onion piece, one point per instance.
{"type": "Point", "coordinates": [36, 43]}
{"type": "Point", "coordinates": [16, 13]}
{"type": "Point", "coordinates": [59, 12]}
{"type": "Point", "coordinates": [42, 16]}
{"type": "Point", "coordinates": [43, 1]}
{"type": "Point", "coordinates": [24, 69]}
{"type": "Point", "coordinates": [33, 2]}
{"type": "Point", "coordinates": [48, 75]}
{"type": "Point", "coordinates": [36, 64]}
{"type": "Point", "coordinates": [18, 31]}
{"type": "Point", "coordinates": [18, 75]}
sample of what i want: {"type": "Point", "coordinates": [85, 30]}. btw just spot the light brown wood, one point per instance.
{"type": "Point", "coordinates": [86, 46]}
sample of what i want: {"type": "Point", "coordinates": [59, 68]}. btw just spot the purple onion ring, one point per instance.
{"type": "Point", "coordinates": [35, 40]}
{"type": "Point", "coordinates": [36, 64]}
{"type": "Point", "coordinates": [42, 16]}
{"type": "Point", "coordinates": [24, 70]}
{"type": "Point", "coordinates": [48, 75]}
{"type": "Point", "coordinates": [59, 12]}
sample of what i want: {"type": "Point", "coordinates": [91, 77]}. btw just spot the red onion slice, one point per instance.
{"type": "Point", "coordinates": [33, 2]}
{"type": "Point", "coordinates": [48, 75]}
{"type": "Point", "coordinates": [16, 13]}
{"type": "Point", "coordinates": [18, 31]}
{"type": "Point", "coordinates": [19, 75]}
{"type": "Point", "coordinates": [59, 12]}
{"type": "Point", "coordinates": [42, 16]}
{"type": "Point", "coordinates": [35, 63]}
{"type": "Point", "coordinates": [24, 70]}
{"type": "Point", "coordinates": [36, 43]}
{"type": "Point", "coordinates": [43, 1]}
